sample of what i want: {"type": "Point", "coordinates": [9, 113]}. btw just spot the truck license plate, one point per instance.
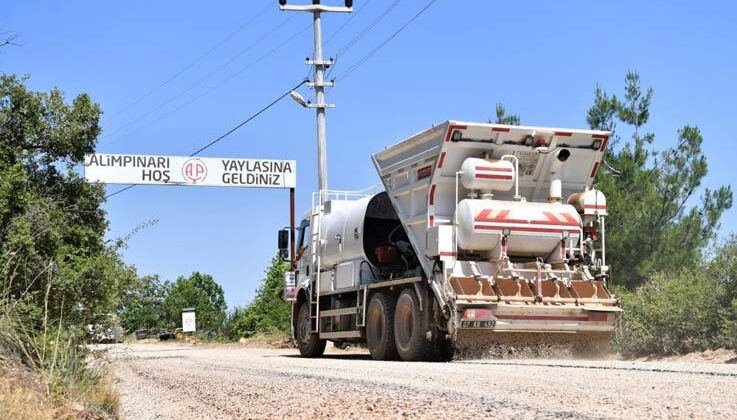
{"type": "Point", "coordinates": [478, 324]}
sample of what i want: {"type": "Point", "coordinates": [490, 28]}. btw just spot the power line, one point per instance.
{"type": "Point", "coordinates": [193, 63]}
{"type": "Point", "coordinates": [347, 21]}
{"type": "Point", "coordinates": [371, 53]}
{"type": "Point", "coordinates": [221, 83]}
{"type": "Point", "coordinates": [202, 79]}
{"type": "Point", "coordinates": [227, 133]}
{"type": "Point", "coordinates": [361, 34]}
{"type": "Point", "coordinates": [368, 28]}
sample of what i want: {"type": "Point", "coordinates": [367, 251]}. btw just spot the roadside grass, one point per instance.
{"type": "Point", "coordinates": [46, 371]}
{"type": "Point", "coordinates": [278, 340]}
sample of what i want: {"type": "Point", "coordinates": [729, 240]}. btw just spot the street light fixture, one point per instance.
{"type": "Point", "coordinates": [298, 98]}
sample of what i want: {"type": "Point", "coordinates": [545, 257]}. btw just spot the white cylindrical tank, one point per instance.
{"type": "Point", "coordinates": [342, 231]}
{"type": "Point", "coordinates": [491, 175]}
{"type": "Point", "coordinates": [535, 229]}
{"type": "Point", "coordinates": [591, 203]}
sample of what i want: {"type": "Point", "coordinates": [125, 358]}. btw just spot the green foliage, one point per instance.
{"type": "Point", "coordinates": [144, 305]}
{"type": "Point", "coordinates": [503, 118]}
{"type": "Point", "coordinates": [693, 309]}
{"type": "Point", "coordinates": [653, 223]}
{"type": "Point", "coordinates": [57, 273]}
{"type": "Point", "coordinates": [197, 291]}
{"type": "Point", "coordinates": [51, 223]}
{"type": "Point", "coordinates": [268, 312]}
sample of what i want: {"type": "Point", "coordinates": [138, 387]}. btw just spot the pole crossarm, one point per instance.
{"type": "Point", "coordinates": [316, 8]}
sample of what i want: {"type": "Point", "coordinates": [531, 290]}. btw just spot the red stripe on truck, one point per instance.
{"type": "Point", "coordinates": [562, 134]}
{"type": "Point", "coordinates": [431, 198]}
{"type": "Point", "coordinates": [441, 159]}
{"type": "Point", "coordinates": [501, 129]}
{"type": "Point", "coordinates": [492, 176]}
{"type": "Point", "coordinates": [451, 129]}
{"type": "Point", "coordinates": [491, 168]}
{"type": "Point", "coordinates": [485, 216]}
{"type": "Point", "coordinates": [594, 170]}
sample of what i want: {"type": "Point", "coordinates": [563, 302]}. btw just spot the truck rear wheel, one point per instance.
{"type": "Point", "coordinates": [410, 329]}
{"type": "Point", "coordinates": [309, 343]}
{"type": "Point", "coordinates": [380, 327]}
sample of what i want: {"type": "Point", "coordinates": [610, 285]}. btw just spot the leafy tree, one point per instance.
{"type": "Point", "coordinates": [143, 305]}
{"type": "Point", "coordinates": [51, 224]}
{"type": "Point", "coordinates": [655, 221]}
{"type": "Point", "coordinates": [503, 118]}
{"type": "Point", "coordinates": [201, 292]}
{"type": "Point", "coordinates": [268, 312]}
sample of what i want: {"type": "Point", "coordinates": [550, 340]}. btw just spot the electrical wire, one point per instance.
{"type": "Point", "coordinates": [208, 91]}
{"type": "Point", "coordinates": [371, 53]}
{"type": "Point", "coordinates": [347, 21]}
{"type": "Point", "coordinates": [202, 79]}
{"type": "Point", "coordinates": [368, 28]}
{"type": "Point", "coordinates": [227, 133]}
{"type": "Point", "coordinates": [193, 63]}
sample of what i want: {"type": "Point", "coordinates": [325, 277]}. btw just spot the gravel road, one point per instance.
{"type": "Point", "coordinates": [165, 381]}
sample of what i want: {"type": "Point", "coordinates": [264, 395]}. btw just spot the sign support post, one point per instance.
{"type": "Point", "coordinates": [291, 230]}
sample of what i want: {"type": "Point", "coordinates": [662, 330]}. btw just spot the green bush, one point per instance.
{"type": "Point", "coordinates": [268, 313]}
{"type": "Point", "coordinates": [694, 309]}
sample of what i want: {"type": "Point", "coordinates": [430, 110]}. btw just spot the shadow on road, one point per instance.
{"type": "Point", "coordinates": [357, 356]}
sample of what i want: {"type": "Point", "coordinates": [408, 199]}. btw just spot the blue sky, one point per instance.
{"type": "Point", "coordinates": [541, 59]}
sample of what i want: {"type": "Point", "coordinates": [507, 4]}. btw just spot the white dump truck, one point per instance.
{"type": "Point", "coordinates": [482, 230]}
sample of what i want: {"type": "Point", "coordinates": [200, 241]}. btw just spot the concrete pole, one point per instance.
{"type": "Point", "coordinates": [322, 159]}
{"type": "Point", "coordinates": [319, 85]}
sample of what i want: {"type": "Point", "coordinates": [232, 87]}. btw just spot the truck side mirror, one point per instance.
{"type": "Point", "coordinates": [284, 244]}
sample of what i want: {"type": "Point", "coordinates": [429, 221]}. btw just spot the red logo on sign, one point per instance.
{"type": "Point", "coordinates": [194, 170]}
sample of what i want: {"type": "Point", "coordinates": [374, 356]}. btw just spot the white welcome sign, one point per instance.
{"type": "Point", "coordinates": [184, 170]}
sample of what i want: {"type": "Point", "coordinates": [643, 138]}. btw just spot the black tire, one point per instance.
{"type": "Point", "coordinates": [410, 329]}
{"type": "Point", "coordinates": [309, 344]}
{"type": "Point", "coordinates": [380, 327]}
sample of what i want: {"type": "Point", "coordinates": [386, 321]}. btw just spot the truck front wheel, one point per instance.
{"type": "Point", "coordinates": [309, 343]}
{"type": "Point", "coordinates": [410, 329]}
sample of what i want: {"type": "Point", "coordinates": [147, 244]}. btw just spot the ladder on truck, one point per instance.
{"type": "Point", "coordinates": [317, 212]}
{"type": "Point", "coordinates": [316, 268]}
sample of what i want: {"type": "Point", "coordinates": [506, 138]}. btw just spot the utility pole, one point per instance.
{"type": "Point", "coordinates": [319, 83]}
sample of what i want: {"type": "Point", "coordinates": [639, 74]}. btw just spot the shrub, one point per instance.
{"type": "Point", "coordinates": [268, 313]}
{"type": "Point", "coordinates": [694, 309]}
{"type": "Point", "coordinates": [671, 314]}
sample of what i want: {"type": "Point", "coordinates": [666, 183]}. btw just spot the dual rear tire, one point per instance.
{"type": "Point", "coordinates": [396, 328]}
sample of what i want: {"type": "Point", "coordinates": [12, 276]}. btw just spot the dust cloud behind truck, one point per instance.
{"type": "Point", "coordinates": [482, 230]}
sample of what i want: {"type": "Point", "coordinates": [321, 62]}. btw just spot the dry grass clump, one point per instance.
{"type": "Point", "coordinates": [21, 396]}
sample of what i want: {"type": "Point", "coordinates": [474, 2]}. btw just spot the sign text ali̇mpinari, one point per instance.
{"type": "Point", "coordinates": [182, 170]}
